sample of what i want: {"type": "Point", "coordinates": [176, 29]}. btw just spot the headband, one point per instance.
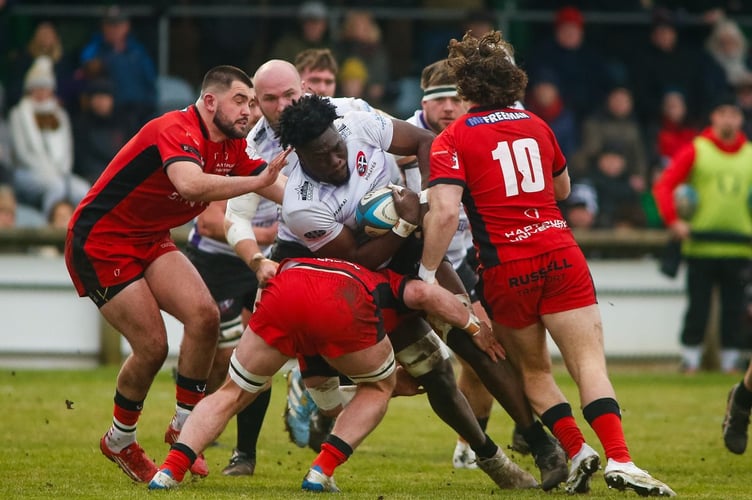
{"type": "Point", "coordinates": [439, 91]}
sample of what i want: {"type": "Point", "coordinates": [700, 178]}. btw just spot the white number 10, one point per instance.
{"type": "Point", "coordinates": [523, 157]}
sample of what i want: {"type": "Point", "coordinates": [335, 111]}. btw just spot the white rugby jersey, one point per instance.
{"type": "Point", "coordinates": [314, 212]}
{"type": "Point", "coordinates": [263, 141]}
{"type": "Point", "coordinates": [462, 239]}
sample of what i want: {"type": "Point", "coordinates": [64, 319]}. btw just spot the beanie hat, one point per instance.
{"type": "Point", "coordinates": [353, 69]}
{"type": "Point", "coordinates": [40, 75]}
{"type": "Point", "coordinates": [569, 14]}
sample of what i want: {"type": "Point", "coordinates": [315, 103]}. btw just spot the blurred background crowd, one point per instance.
{"type": "Point", "coordinates": [622, 84]}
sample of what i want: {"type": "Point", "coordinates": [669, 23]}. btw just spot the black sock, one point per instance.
{"type": "Point", "coordinates": [483, 422]}
{"type": "Point", "coordinates": [249, 422]}
{"type": "Point", "coordinates": [743, 396]}
{"type": "Point", "coordinates": [535, 436]}
{"type": "Point", "coordinates": [487, 449]}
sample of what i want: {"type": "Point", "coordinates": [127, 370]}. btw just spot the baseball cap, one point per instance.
{"type": "Point", "coordinates": [312, 10]}
{"type": "Point", "coordinates": [114, 15]}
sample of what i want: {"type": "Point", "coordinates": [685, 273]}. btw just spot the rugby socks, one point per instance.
{"type": "Point", "coordinates": [334, 452]}
{"type": "Point", "coordinates": [487, 449]}
{"type": "Point", "coordinates": [535, 436]}
{"type": "Point", "coordinates": [560, 421]}
{"type": "Point", "coordinates": [743, 396]}
{"type": "Point", "coordinates": [188, 392]}
{"type": "Point", "coordinates": [483, 422]}
{"type": "Point", "coordinates": [124, 418]}
{"type": "Point", "coordinates": [249, 422]}
{"type": "Point", "coordinates": [179, 460]}
{"type": "Point", "coordinates": [604, 416]}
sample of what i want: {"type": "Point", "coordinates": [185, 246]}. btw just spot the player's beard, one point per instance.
{"type": "Point", "coordinates": [231, 129]}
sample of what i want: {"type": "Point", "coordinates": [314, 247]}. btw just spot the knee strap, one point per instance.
{"type": "Point", "coordinates": [246, 380]}
{"type": "Point", "coordinates": [424, 355]}
{"type": "Point", "coordinates": [380, 373]}
{"type": "Point", "coordinates": [327, 396]}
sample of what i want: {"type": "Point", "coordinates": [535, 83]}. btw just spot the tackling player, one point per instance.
{"type": "Point", "coordinates": [335, 309]}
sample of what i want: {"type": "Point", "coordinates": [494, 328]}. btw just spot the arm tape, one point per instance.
{"type": "Point", "coordinates": [239, 213]}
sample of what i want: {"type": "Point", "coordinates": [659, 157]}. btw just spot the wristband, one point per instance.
{"type": "Point", "coordinates": [403, 229]}
{"type": "Point", "coordinates": [473, 325]}
{"type": "Point", "coordinates": [426, 275]}
{"type": "Point", "coordinates": [423, 196]}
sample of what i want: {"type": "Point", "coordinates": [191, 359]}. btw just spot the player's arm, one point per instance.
{"type": "Point", "coordinates": [194, 184]}
{"type": "Point", "coordinates": [409, 140]}
{"type": "Point", "coordinates": [562, 185]}
{"type": "Point", "coordinates": [241, 235]}
{"type": "Point", "coordinates": [438, 301]}
{"type": "Point", "coordinates": [374, 252]}
{"type": "Point", "coordinates": [439, 226]}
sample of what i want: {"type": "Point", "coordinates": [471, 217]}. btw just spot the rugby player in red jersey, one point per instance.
{"type": "Point", "coordinates": [507, 169]}
{"type": "Point", "coordinates": [120, 254]}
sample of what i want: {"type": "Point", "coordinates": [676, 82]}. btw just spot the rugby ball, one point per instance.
{"type": "Point", "coordinates": [376, 213]}
{"type": "Point", "coordinates": [685, 198]}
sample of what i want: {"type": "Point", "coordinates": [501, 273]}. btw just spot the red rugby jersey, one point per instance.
{"type": "Point", "coordinates": [134, 199]}
{"type": "Point", "coordinates": [505, 159]}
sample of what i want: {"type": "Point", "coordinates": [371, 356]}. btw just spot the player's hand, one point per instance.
{"type": "Point", "coordinates": [680, 229]}
{"type": "Point", "coordinates": [406, 384]}
{"type": "Point", "coordinates": [274, 167]}
{"type": "Point", "coordinates": [266, 271]}
{"type": "Point", "coordinates": [487, 343]}
{"type": "Point", "coordinates": [407, 204]}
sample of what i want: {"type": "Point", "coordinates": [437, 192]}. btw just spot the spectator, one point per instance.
{"type": "Point", "coordinates": [44, 42]}
{"type": "Point", "coordinates": [127, 63]}
{"type": "Point", "coordinates": [663, 64]}
{"type": "Point", "coordinates": [312, 34]}
{"type": "Point", "coordinates": [479, 22]}
{"type": "Point", "coordinates": [581, 70]}
{"type": "Point", "coordinates": [615, 124]}
{"type": "Point", "coordinates": [318, 71]}
{"type": "Point", "coordinates": [361, 39]}
{"type": "Point", "coordinates": [98, 133]}
{"type": "Point", "coordinates": [728, 47]}
{"type": "Point", "coordinates": [43, 143]}
{"type": "Point", "coordinates": [618, 201]}
{"type": "Point", "coordinates": [580, 209]}
{"type": "Point", "coordinates": [544, 99]}
{"type": "Point", "coordinates": [353, 78]}
{"type": "Point", "coordinates": [674, 129]}
{"type": "Point", "coordinates": [663, 139]}
{"type": "Point", "coordinates": [715, 238]}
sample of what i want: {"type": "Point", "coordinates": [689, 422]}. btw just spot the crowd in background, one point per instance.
{"type": "Point", "coordinates": [619, 111]}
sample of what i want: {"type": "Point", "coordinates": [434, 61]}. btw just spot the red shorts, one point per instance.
{"type": "Point", "coordinates": [305, 312]}
{"type": "Point", "coordinates": [519, 292]}
{"type": "Point", "coordinates": [101, 269]}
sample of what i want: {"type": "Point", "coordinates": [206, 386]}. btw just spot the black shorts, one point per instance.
{"type": "Point", "coordinates": [231, 282]}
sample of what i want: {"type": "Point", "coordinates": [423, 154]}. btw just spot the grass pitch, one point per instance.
{"type": "Point", "coordinates": [53, 420]}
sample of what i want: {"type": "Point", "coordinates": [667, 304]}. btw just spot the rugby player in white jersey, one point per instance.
{"type": "Point", "coordinates": [339, 162]}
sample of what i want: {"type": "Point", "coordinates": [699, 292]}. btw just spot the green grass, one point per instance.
{"type": "Point", "coordinates": [672, 424]}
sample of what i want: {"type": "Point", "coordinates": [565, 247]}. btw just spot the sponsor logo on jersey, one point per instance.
{"type": "Point", "coordinates": [344, 131]}
{"type": "Point", "coordinates": [495, 117]}
{"type": "Point", "coordinates": [361, 163]}
{"type": "Point", "coordinates": [305, 191]}
{"type": "Point", "coordinates": [525, 232]}
{"type": "Point", "coordinates": [175, 196]}
{"type": "Point", "coordinates": [312, 235]}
